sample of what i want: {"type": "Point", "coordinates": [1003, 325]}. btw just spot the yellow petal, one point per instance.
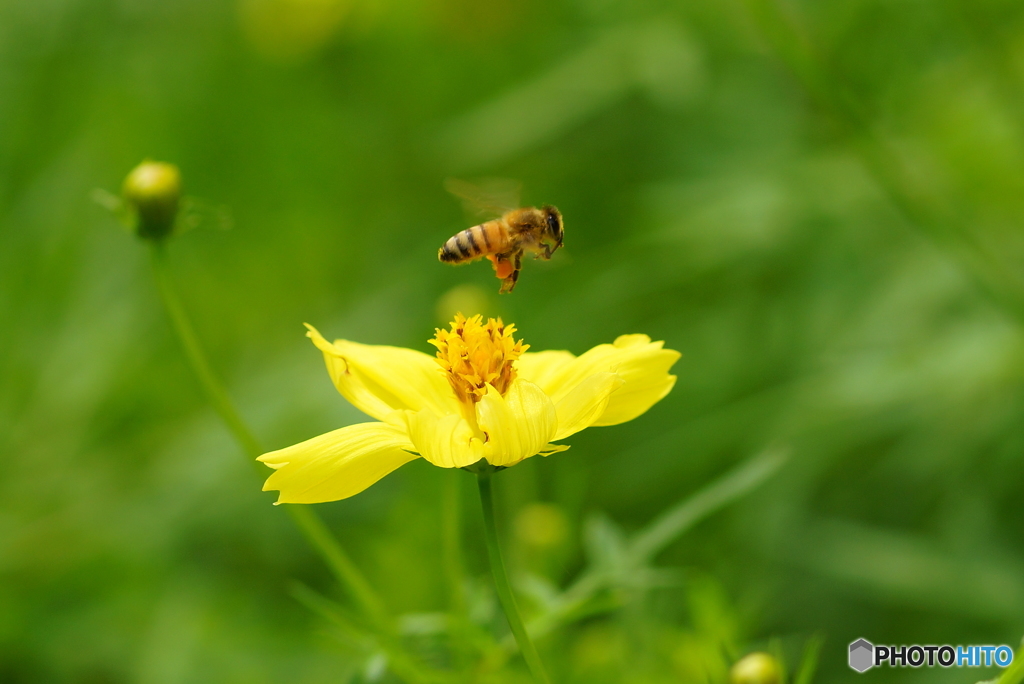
{"type": "Point", "coordinates": [448, 441]}
{"type": "Point", "coordinates": [517, 425]}
{"type": "Point", "coordinates": [549, 449]}
{"type": "Point", "coordinates": [542, 367]}
{"type": "Point", "coordinates": [379, 380]}
{"type": "Point", "coordinates": [586, 403]}
{"type": "Point", "coordinates": [642, 364]}
{"type": "Point", "coordinates": [338, 464]}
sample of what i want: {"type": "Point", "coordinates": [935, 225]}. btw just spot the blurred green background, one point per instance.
{"type": "Point", "coordinates": [819, 204]}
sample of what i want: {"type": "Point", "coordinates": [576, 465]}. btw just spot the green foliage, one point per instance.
{"type": "Point", "coordinates": [1014, 674]}
{"type": "Point", "coordinates": [819, 204]}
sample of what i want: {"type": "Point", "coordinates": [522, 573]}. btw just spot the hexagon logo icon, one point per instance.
{"type": "Point", "coordinates": [862, 654]}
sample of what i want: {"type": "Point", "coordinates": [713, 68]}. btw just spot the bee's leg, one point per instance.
{"type": "Point", "coordinates": [543, 253]}
{"type": "Point", "coordinates": [510, 282]}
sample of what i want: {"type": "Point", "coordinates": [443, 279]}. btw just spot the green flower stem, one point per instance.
{"type": "Point", "coordinates": [501, 584]}
{"type": "Point", "coordinates": [309, 523]}
{"type": "Point", "coordinates": [215, 392]}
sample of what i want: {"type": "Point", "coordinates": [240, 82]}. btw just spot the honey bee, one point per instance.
{"type": "Point", "coordinates": [503, 241]}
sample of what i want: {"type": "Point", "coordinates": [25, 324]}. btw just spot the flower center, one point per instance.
{"type": "Point", "coordinates": [475, 354]}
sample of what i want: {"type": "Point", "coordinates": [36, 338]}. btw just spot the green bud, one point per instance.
{"type": "Point", "coordinates": [756, 668]}
{"type": "Point", "coordinates": [152, 192]}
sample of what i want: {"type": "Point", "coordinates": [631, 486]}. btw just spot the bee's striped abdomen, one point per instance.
{"type": "Point", "coordinates": [473, 243]}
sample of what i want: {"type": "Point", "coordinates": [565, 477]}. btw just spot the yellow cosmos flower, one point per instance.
{"type": "Point", "coordinates": [482, 397]}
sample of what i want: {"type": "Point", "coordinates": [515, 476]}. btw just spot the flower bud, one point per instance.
{"type": "Point", "coordinates": [152, 192]}
{"type": "Point", "coordinates": [468, 299]}
{"type": "Point", "coordinates": [541, 526]}
{"type": "Point", "coordinates": [756, 668]}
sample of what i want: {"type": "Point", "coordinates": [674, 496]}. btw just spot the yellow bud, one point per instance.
{"type": "Point", "coordinates": [152, 192]}
{"type": "Point", "coordinates": [469, 299]}
{"type": "Point", "coordinates": [542, 526]}
{"type": "Point", "coordinates": [289, 31]}
{"type": "Point", "coordinates": [756, 668]}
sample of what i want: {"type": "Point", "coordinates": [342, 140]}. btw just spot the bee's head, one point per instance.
{"type": "Point", "coordinates": [552, 237]}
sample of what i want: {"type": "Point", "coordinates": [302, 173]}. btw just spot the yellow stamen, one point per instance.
{"type": "Point", "coordinates": [475, 354]}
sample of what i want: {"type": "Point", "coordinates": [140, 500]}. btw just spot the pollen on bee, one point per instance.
{"type": "Point", "coordinates": [502, 267]}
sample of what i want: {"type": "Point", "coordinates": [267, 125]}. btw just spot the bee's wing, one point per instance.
{"type": "Point", "coordinates": [486, 198]}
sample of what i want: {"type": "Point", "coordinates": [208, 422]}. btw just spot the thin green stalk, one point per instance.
{"type": "Point", "coordinates": [215, 392]}
{"type": "Point", "coordinates": [399, 661]}
{"type": "Point", "coordinates": [309, 523]}
{"type": "Point", "coordinates": [345, 571]}
{"type": "Point", "coordinates": [501, 584]}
